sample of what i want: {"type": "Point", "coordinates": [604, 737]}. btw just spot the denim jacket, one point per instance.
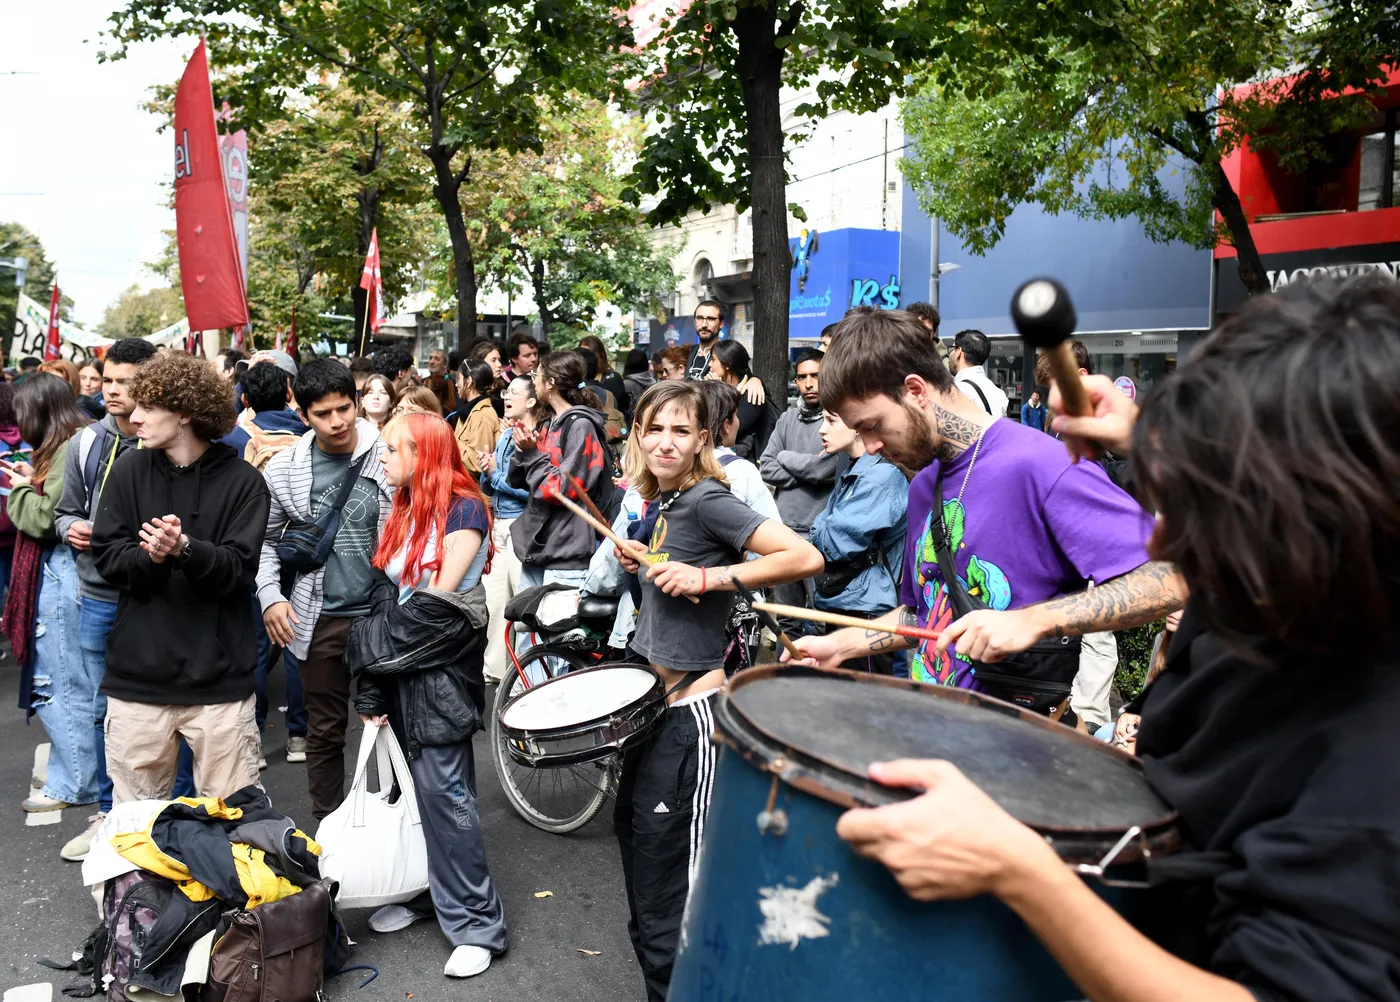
{"type": "Point", "coordinates": [506, 501]}
{"type": "Point", "coordinates": [868, 503]}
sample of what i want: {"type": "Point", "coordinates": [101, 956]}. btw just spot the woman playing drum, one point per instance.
{"type": "Point", "coordinates": [1273, 457]}
{"type": "Point", "coordinates": [697, 532]}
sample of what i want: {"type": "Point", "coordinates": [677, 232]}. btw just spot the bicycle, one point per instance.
{"type": "Point", "coordinates": [562, 799]}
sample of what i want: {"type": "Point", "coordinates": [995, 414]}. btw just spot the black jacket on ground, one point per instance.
{"type": "Point", "coordinates": [184, 632]}
{"type": "Point", "coordinates": [421, 663]}
{"type": "Point", "coordinates": [1287, 779]}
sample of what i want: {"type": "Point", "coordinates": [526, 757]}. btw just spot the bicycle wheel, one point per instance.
{"type": "Point", "coordinates": [558, 799]}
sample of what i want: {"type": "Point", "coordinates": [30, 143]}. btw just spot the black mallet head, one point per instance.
{"type": "Point", "coordinates": [1043, 312]}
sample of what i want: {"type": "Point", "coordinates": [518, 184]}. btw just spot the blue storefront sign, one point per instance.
{"type": "Point", "coordinates": [833, 270]}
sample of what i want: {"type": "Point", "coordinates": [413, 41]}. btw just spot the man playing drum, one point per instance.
{"type": "Point", "coordinates": [697, 532]}
{"type": "Point", "coordinates": [1273, 457]}
{"type": "Point", "coordinates": [1018, 520]}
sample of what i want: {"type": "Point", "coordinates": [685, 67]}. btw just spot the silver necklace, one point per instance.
{"type": "Point", "coordinates": [975, 448]}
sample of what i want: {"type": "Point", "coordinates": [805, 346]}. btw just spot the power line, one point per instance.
{"type": "Point", "coordinates": [833, 170]}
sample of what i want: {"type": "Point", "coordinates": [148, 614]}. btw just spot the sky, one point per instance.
{"type": "Point", "coordinates": [80, 163]}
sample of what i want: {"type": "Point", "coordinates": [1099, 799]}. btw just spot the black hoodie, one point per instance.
{"type": "Point", "coordinates": [184, 632]}
{"type": "Point", "coordinates": [546, 534]}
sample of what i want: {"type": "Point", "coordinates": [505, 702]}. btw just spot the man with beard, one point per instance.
{"type": "Point", "coordinates": [1026, 528]}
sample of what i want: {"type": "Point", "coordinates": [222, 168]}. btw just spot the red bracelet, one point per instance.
{"type": "Point", "coordinates": [702, 581]}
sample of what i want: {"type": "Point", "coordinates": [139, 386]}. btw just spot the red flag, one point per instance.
{"type": "Point", "coordinates": [291, 348]}
{"type": "Point", "coordinates": [372, 280]}
{"type": "Point", "coordinates": [210, 274]}
{"type": "Point", "coordinates": [51, 340]}
{"type": "Point", "coordinates": [240, 337]}
{"type": "Point", "coordinates": [192, 341]}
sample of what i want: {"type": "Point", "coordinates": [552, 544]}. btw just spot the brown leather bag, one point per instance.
{"type": "Point", "coordinates": [275, 951]}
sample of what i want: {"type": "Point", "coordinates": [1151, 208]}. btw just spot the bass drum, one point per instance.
{"type": "Point", "coordinates": [781, 909]}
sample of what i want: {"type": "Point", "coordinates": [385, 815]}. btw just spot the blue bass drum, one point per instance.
{"type": "Point", "coordinates": [781, 910]}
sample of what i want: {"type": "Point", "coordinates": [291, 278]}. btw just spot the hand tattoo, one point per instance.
{"type": "Point", "coordinates": [1137, 598]}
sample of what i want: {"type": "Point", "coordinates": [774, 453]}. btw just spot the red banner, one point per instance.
{"type": "Point", "coordinates": [372, 280]}
{"type": "Point", "coordinates": [210, 273]}
{"type": "Point", "coordinates": [52, 347]}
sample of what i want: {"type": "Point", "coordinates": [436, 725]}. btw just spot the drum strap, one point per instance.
{"type": "Point", "coordinates": [689, 677]}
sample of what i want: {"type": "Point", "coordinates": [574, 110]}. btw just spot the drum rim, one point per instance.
{"type": "Point", "coordinates": [656, 691]}
{"type": "Point", "coordinates": [811, 773]}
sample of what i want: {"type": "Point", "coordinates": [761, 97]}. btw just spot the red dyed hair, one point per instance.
{"type": "Point", "coordinates": [422, 502]}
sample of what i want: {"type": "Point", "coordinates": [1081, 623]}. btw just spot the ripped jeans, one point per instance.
{"type": "Point", "coordinates": [64, 694]}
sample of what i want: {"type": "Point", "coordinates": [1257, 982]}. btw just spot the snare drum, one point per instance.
{"type": "Point", "coordinates": [583, 716]}
{"type": "Point", "coordinates": [782, 909]}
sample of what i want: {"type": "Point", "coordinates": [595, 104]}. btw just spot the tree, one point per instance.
{"type": "Point", "coordinates": [324, 177]}
{"type": "Point", "coordinates": [17, 241]}
{"type": "Point", "coordinates": [716, 74]}
{"type": "Point", "coordinates": [556, 219]}
{"type": "Point", "coordinates": [1084, 115]}
{"type": "Point", "coordinates": [137, 313]}
{"type": "Point", "coordinates": [471, 72]}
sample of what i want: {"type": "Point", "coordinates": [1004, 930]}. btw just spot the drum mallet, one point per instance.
{"type": "Point", "coordinates": [836, 619]}
{"type": "Point", "coordinates": [769, 621]}
{"type": "Point", "coordinates": [604, 530]}
{"type": "Point", "coordinates": [1045, 319]}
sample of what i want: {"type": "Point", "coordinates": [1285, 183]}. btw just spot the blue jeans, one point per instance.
{"type": "Point", "coordinates": [64, 693]}
{"type": "Point", "coordinates": [94, 623]}
{"type": "Point", "coordinates": [296, 704]}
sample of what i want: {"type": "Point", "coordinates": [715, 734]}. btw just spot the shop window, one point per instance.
{"type": "Point", "coordinates": [1357, 171]}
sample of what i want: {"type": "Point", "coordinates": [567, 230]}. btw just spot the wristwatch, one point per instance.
{"type": "Point", "coordinates": [183, 553]}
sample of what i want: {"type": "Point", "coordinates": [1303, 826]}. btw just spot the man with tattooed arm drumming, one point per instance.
{"type": "Point", "coordinates": [1025, 529]}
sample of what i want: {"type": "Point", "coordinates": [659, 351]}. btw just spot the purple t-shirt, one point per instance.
{"type": "Point", "coordinates": [1031, 526]}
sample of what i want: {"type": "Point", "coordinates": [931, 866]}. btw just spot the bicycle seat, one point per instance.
{"type": "Point", "coordinates": [550, 608]}
{"type": "Point", "coordinates": [597, 607]}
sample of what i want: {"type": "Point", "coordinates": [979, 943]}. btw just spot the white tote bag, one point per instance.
{"type": "Point", "coordinates": [371, 846]}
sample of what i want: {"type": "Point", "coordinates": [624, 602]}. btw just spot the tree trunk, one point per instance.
{"type": "Point", "coordinates": [447, 191]}
{"type": "Point", "coordinates": [760, 68]}
{"type": "Point", "coordinates": [537, 283]}
{"type": "Point", "coordinates": [1227, 201]}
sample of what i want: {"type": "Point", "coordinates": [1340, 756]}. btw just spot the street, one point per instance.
{"type": "Point", "coordinates": [50, 913]}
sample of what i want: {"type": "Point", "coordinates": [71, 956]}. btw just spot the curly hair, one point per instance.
{"type": "Point", "coordinates": [189, 387]}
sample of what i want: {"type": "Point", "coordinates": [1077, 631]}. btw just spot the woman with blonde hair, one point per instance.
{"type": "Point", "coordinates": [698, 531]}
{"type": "Point", "coordinates": [434, 549]}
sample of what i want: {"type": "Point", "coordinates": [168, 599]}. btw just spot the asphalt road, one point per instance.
{"type": "Point", "coordinates": [47, 912]}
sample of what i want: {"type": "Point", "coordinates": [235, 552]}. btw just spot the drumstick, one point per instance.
{"type": "Point", "coordinates": [606, 532]}
{"type": "Point", "coordinates": [769, 621]}
{"type": "Point", "coordinates": [836, 619]}
{"type": "Point", "coordinates": [580, 492]}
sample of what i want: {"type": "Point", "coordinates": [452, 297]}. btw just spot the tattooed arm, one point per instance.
{"type": "Point", "coordinates": [857, 642]}
{"type": "Point", "coordinates": [1141, 596]}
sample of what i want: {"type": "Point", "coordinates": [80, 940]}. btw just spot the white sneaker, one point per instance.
{"type": "Point", "coordinates": [392, 918]}
{"type": "Point", "coordinates": [75, 850]}
{"type": "Point", "coordinates": [467, 962]}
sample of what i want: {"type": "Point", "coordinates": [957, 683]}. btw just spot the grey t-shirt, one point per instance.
{"type": "Point", "coordinates": [349, 576]}
{"type": "Point", "coordinates": [706, 526]}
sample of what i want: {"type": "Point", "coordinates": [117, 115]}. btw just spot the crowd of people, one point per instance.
{"type": "Point", "coordinates": [251, 511]}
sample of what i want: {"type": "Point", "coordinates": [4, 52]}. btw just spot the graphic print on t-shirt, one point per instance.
{"type": "Point", "coordinates": [983, 580]}
{"type": "Point", "coordinates": [658, 540]}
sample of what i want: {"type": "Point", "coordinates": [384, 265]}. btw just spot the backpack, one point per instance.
{"type": "Point", "coordinates": [607, 495]}
{"type": "Point", "coordinates": [276, 951]}
{"type": "Point", "coordinates": [90, 449]}
{"type": "Point", "coordinates": [263, 445]}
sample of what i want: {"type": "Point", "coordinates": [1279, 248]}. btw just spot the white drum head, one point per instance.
{"type": "Point", "coordinates": [576, 699]}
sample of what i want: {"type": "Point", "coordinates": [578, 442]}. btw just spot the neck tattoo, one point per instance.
{"type": "Point", "coordinates": [957, 433]}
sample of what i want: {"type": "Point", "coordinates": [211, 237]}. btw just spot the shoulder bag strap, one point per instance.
{"type": "Point", "coordinates": [342, 495]}
{"type": "Point", "coordinates": [963, 603]}
{"type": "Point", "coordinates": [986, 404]}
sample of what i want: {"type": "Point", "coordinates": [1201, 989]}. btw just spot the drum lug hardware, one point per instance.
{"type": "Point", "coordinates": [1099, 869]}
{"type": "Point", "coordinates": [770, 821]}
